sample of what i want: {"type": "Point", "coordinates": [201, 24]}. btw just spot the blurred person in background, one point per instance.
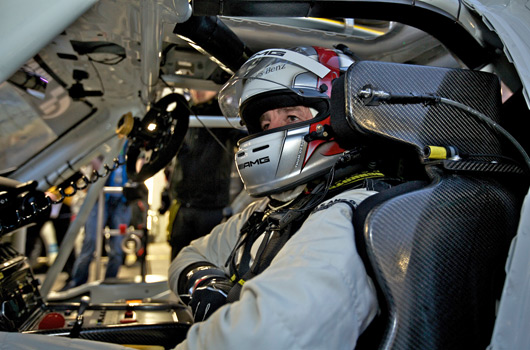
{"type": "Point", "coordinates": [198, 191]}
{"type": "Point", "coordinates": [116, 212]}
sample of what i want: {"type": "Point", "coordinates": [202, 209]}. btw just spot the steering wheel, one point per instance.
{"type": "Point", "coordinates": [156, 139]}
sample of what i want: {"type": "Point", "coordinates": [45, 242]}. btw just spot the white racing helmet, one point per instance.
{"type": "Point", "coordinates": [280, 159]}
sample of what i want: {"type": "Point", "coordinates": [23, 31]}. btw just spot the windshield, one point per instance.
{"type": "Point", "coordinates": [35, 110]}
{"type": "Point", "coordinates": [22, 131]}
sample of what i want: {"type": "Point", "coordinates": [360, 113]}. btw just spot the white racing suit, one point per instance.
{"type": "Point", "coordinates": [314, 295]}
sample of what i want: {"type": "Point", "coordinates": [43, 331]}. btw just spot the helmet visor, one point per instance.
{"type": "Point", "coordinates": [275, 70]}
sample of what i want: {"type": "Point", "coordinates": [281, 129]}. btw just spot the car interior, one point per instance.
{"type": "Point", "coordinates": [434, 95]}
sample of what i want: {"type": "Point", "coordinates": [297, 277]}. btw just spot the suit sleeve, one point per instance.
{"type": "Point", "coordinates": [214, 248]}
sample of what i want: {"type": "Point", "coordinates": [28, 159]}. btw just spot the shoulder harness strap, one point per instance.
{"type": "Point", "coordinates": [279, 227]}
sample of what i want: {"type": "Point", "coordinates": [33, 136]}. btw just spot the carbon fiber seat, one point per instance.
{"type": "Point", "coordinates": [436, 252]}
{"type": "Point", "coordinates": [436, 245]}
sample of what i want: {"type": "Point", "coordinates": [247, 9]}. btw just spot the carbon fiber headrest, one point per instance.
{"type": "Point", "coordinates": [413, 120]}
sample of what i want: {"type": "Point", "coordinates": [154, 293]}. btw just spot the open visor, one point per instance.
{"type": "Point", "coordinates": [274, 74]}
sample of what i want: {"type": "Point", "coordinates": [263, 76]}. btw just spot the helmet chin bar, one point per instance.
{"type": "Point", "coordinates": [281, 159]}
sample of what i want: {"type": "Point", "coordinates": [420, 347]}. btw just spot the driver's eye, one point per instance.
{"type": "Point", "coordinates": [293, 118]}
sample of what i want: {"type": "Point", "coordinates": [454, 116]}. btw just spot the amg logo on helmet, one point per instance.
{"type": "Point", "coordinates": [250, 164]}
{"type": "Point", "coordinates": [278, 53]}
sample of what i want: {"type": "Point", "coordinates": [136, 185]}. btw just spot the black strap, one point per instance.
{"type": "Point", "coordinates": [248, 233]}
{"type": "Point", "coordinates": [268, 249]}
{"type": "Point", "coordinates": [244, 264]}
{"type": "Point", "coordinates": [284, 223]}
{"type": "Point", "coordinates": [235, 291]}
{"type": "Point", "coordinates": [271, 249]}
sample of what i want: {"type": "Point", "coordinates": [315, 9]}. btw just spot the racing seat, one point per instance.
{"type": "Point", "coordinates": [437, 253]}
{"type": "Point", "coordinates": [435, 246]}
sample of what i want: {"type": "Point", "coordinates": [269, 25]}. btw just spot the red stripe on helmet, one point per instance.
{"type": "Point", "coordinates": [313, 145]}
{"type": "Point", "coordinates": [330, 59]}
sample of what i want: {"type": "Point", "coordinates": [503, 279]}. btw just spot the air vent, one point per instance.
{"type": "Point", "coordinates": [260, 148]}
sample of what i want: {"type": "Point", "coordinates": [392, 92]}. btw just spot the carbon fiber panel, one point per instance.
{"type": "Point", "coordinates": [166, 335]}
{"type": "Point", "coordinates": [438, 256]}
{"type": "Point", "coordinates": [419, 125]}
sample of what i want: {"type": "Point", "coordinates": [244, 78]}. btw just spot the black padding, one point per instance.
{"type": "Point", "coordinates": [161, 334]}
{"type": "Point", "coordinates": [216, 38]}
{"type": "Point", "coordinates": [252, 109]}
{"type": "Point", "coordinates": [344, 134]}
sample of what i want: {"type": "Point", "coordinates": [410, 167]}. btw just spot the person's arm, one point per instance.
{"type": "Point", "coordinates": [314, 295]}
{"type": "Point", "coordinates": [212, 249]}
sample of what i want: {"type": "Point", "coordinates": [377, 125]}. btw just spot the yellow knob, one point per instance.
{"type": "Point", "coordinates": [125, 125]}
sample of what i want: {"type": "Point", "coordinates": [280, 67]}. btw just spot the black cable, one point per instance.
{"type": "Point", "coordinates": [97, 74]}
{"type": "Point", "coordinates": [165, 82]}
{"type": "Point", "coordinates": [371, 96]}
{"type": "Point", "coordinates": [200, 121]}
{"type": "Point", "coordinates": [109, 61]}
{"type": "Point", "coordinates": [48, 70]}
{"type": "Point", "coordinates": [96, 49]}
{"type": "Point", "coordinates": [208, 130]}
{"type": "Point", "coordinates": [492, 124]}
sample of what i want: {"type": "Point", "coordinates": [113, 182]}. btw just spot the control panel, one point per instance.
{"type": "Point", "coordinates": [66, 315]}
{"type": "Point", "coordinates": [19, 294]}
{"type": "Point", "coordinates": [141, 322]}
